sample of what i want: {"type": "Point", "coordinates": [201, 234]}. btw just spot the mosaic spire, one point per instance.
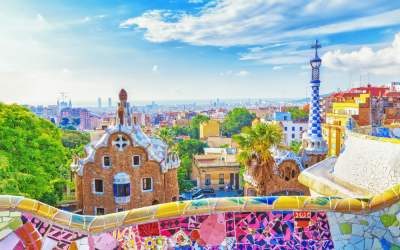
{"type": "Point", "coordinates": [316, 144]}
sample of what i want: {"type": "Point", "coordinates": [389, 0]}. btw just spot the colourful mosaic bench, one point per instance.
{"type": "Point", "coordinates": [226, 223]}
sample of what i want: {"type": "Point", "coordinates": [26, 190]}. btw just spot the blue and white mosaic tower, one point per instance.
{"type": "Point", "coordinates": [315, 146]}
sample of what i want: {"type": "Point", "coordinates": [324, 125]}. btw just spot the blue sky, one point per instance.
{"type": "Point", "coordinates": [192, 49]}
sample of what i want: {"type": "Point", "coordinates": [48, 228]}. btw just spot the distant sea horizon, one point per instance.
{"type": "Point", "coordinates": [183, 102]}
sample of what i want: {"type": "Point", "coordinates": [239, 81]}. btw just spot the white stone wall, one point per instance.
{"type": "Point", "coordinates": [368, 164]}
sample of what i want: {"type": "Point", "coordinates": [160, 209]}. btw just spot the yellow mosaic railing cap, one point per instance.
{"type": "Point", "coordinates": [181, 208]}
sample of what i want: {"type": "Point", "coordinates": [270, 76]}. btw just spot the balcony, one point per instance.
{"type": "Point", "coordinates": [122, 200]}
{"type": "Point", "coordinates": [217, 164]}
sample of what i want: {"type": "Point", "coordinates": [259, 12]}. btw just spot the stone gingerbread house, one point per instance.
{"type": "Point", "coordinates": [125, 169]}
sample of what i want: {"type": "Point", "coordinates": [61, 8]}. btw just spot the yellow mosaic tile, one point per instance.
{"type": "Point", "coordinates": [97, 224]}
{"type": "Point", "coordinates": [227, 204]}
{"type": "Point", "coordinates": [343, 205]}
{"type": "Point", "coordinates": [355, 204]}
{"type": "Point", "coordinates": [317, 203]}
{"type": "Point", "coordinates": [26, 204]}
{"type": "Point", "coordinates": [41, 209]}
{"type": "Point", "coordinates": [256, 203]}
{"type": "Point", "coordinates": [198, 206]}
{"type": "Point", "coordinates": [334, 201]}
{"type": "Point", "coordinates": [389, 195]}
{"type": "Point", "coordinates": [63, 217]}
{"type": "Point", "coordinates": [4, 201]}
{"type": "Point", "coordinates": [376, 201]}
{"type": "Point", "coordinates": [286, 202]}
{"type": "Point", "coordinates": [110, 220]}
{"type": "Point", "coordinates": [137, 215]}
{"type": "Point", "coordinates": [15, 200]}
{"type": "Point", "coordinates": [167, 209]}
{"type": "Point", "coordinates": [182, 205]}
{"type": "Point", "coordinates": [121, 217]}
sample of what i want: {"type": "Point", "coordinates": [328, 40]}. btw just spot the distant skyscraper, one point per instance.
{"type": "Point", "coordinates": [153, 102]}
{"type": "Point", "coordinates": [70, 105]}
{"type": "Point", "coordinates": [260, 101]}
{"type": "Point", "coordinates": [217, 100]}
{"type": "Point", "coordinates": [99, 102]}
{"type": "Point", "coordinates": [109, 102]}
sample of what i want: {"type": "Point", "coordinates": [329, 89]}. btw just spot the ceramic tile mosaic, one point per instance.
{"type": "Point", "coordinates": [378, 230]}
{"type": "Point", "coordinates": [230, 223]}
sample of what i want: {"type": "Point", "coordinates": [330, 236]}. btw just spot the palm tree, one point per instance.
{"type": "Point", "coordinates": [255, 145]}
{"type": "Point", "coordinates": [167, 135]}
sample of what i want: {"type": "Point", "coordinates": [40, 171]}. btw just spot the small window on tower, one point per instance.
{"type": "Point", "coordinates": [147, 184]}
{"type": "Point", "coordinates": [136, 159]}
{"type": "Point", "coordinates": [106, 161]}
{"type": "Point", "coordinates": [98, 186]}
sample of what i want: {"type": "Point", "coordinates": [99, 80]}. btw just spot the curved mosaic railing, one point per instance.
{"type": "Point", "coordinates": [181, 208]}
{"type": "Point", "coordinates": [226, 223]}
{"type": "Point", "coordinates": [377, 133]}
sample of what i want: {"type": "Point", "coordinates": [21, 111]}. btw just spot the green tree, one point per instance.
{"type": "Point", "coordinates": [64, 121]}
{"type": "Point", "coordinates": [32, 153]}
{"type": "Point", "coordinates": [69, 127]}
{"type": "Point", "coordinates": [297, 113]}
{"type": "Point", "coordinates": [184, 186]}
{"type": "Point", "coordinates": [186, 163]}
{"type": "Point", "coordinates": [72, 138]}
{"type": "Point", "coordinates": [180, 130]}
{"type": "Point", "coordinates": [167, 135]}
{"type": "Point", "coordinates": [191, 147]}
{"type": "Point", "coordinates": [242, 169]}
{"type": "Point", "coordinates": [194, 131]}
{"type": "Point", "coordinates": [236, 119]}
{"type": "Point", "coordinates": [295, 146]}
{"type": "Point", "coordinates": [76, 121]}
{"type": "Point", "coordinates": [255, 144]}
{"type": "Point", "coordinates": [225, 145]}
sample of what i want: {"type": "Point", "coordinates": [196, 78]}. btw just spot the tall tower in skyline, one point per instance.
{"type": "Point", "coordinates": [70, 104]}
{"type": "Point", "coordinates": [99, 102]}
{"type": "Point", "coordinates": [314, 145]}
{"type": "Point", "coordinates": [109, 102]}
{"type": "Point", "coordinates": [217, 101]}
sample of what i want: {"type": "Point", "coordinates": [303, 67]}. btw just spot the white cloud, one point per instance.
{"type": "Point", "coordinates": [195, 1]}
{"type": "Point", "coordinates": [86, 19]}
{"type": "Point", "coordinates": [243, 22]}
{"type": "Point", "coordinates": [101, 16]}
{"type": "Point", "coordinates": [243, 73]}
{"type": "Point", "coordinates": [66, 71]}
{"type": "Point", "coordinates": [277, 68]}
{"type": "Point", "coordinates": [228, 73]}
{"type": "Point", "coordinates": [385, 61]}
{"type": "Point", "coordinates": [40, 17]}
{"type": "Point", "coordinates": [155, 67]}
{"type": "Point", "coordinates": [305, 66]}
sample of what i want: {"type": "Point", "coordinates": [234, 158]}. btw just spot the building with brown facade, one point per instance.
{"type": "Point", "coordinates": [284, 181]}
{"type": "Point", "coordinates": [125, 169]}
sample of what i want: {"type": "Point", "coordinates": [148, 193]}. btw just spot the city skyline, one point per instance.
{"type": "Point", "coordinates": [94, 48]}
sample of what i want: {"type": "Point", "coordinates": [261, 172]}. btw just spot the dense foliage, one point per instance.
{"type": "Point", "coordinates": [180, 130]}
{"type": "Point", "coordinates": [186, 163]}
{"type": "Point", "coordinates": [32, 155]}
{"type": "Point", "coordinates": [167, 135]}
{"type": "Point", "coordinates": [255, 144]}
{"type": "Point", "coordinates": [72, 138]}
{"type": "Point", "coordinates": [194, 131]}
{"type": "Point", "coordinates": [184, 186]}
{"type": "Point", "coordinates": [225, 145]}
{"type": "Point", "coordinates": [295, 146]}
{"type": "Point", "coordinates": [191, 147]}
{"type": "Point", "coordinates": [236, 119]}
{"type": "Point", "coordinates": [297, 113]}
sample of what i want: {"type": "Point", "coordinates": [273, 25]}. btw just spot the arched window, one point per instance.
{"type": "Point", "coordinates": [155, 202]}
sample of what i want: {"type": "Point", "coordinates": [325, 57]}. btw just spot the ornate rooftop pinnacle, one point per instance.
{"type": "Point", "coordinates": [123, 96]}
